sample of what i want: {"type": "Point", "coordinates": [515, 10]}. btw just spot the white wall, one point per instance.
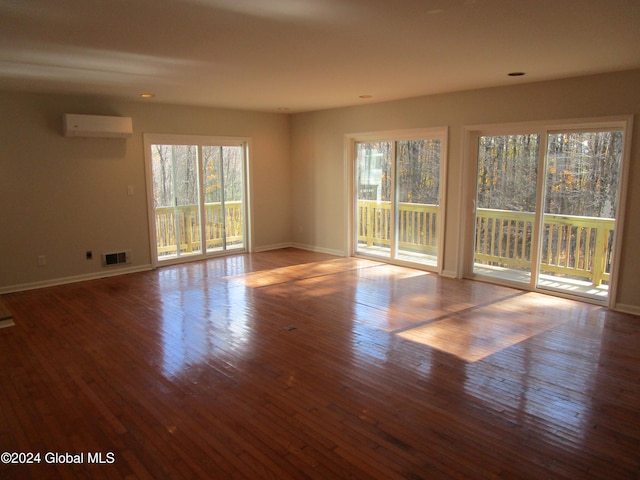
{"type": "Point", "coordinates": [320, 203]}
{"type": "Point", "coordinates": [63, 196]}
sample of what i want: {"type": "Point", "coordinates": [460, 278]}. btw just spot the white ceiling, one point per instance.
{"type": "Point", "coordinates": [305, 55]}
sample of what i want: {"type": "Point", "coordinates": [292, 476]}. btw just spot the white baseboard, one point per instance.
{"type": "Point", "coordinates": [313, 248]}
{"type": "Point", "coordinates": [76, 278]}
{"type": "Point", "coordinates": [631, 309]}
{"type": "Point", "coordinates": [301, 246]}
{"type": "Point", "coordinates": [266, 248]}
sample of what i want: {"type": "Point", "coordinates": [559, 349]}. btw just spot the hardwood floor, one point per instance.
{"type": "Point", "coordinates": [292, 364]}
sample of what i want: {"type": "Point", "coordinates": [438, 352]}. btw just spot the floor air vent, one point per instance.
{"type": "Point", "coordinates": [117, 258]}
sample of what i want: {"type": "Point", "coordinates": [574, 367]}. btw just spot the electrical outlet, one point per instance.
{"type": "Point", "coordinates": [89, 254]}
{"type": "Point", "coordinates": [42, 260]}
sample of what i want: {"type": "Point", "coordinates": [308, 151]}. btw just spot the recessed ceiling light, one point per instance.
{"type": "Point", "coordinates": [283, 109]}
{"type": "Point", "coordinates": [516, 74]}
{"type": "Point", "coordinates": [366, 96]}
{"type": "Point", "coordinates": [147, 95]}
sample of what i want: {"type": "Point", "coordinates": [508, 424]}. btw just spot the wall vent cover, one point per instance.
{"type": "Point", "coordinates": [116, 258]}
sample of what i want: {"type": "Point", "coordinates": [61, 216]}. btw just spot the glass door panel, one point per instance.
{"type": "Point", "coordinates": [373, 189]}
{"type": "Point", "coordinates": [418, 187]}
{"type": "Point", "coordinates": [233, 178]}
{"type": "Point", "coordinates": [224, 197]}
{"type": "Point", "coordinates": [187, 199]}
{"type": "Point", "coordinates": [164, 201]}
{"type": "Point", "coordinates": [176, 193]}
{"type": "Point", "coordinates": [506, 197]}
{"type": "Point", "coordinates": [213, 198]}
{"type": "Point", "coordinates": [582, 172]}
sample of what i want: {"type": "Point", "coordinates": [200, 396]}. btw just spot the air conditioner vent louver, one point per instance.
{"type": "Point", "coordinates": [116, 258]}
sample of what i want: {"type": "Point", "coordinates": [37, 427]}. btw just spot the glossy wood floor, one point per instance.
{"type": "Point", "coordinates": [291, 364]}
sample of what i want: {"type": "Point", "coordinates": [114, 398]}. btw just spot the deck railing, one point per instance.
{"type": "Point", "coordinates": [183, 220]}
{"type": "Point", "coordinates": [417, 225]}
{"type": "Point", "coordinates": [571, 245]}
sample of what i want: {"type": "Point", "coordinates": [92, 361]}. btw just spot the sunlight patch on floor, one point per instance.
{"type": "Point", "coordinates": [280, 275]}
{"type": "Point", "coordinates": [477, 333]}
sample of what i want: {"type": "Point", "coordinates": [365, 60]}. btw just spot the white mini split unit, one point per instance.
{"type": "Point", "coordinates": [96, 126]}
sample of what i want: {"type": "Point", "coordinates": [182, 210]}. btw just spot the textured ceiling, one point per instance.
{"type": "Point", "coordinates": [305, 55]}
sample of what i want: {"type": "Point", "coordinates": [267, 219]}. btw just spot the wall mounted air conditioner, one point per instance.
{"type": "Point", "coordinates": [96, 126]}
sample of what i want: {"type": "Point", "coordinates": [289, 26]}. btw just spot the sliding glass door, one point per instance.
{"type": "Point", "coordinates": [397, 198]}
{"type": "Point", "coordinates": [197, 196]}
{"type": "Point", "coordinates": [546, 205]}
